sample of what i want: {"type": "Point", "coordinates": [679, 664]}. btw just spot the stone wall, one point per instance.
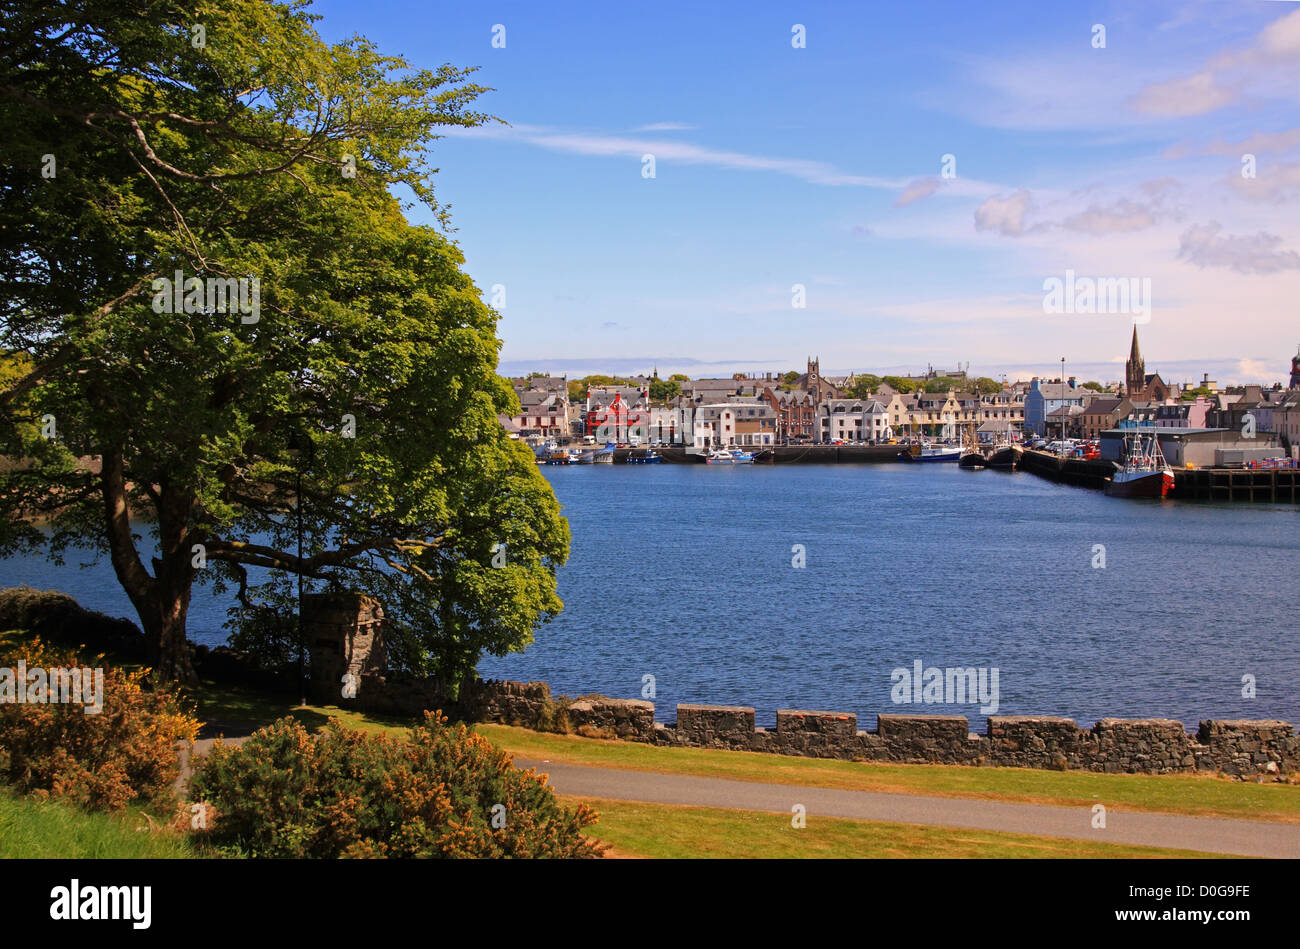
{"type": "Point", "coordinates": [346, 636]}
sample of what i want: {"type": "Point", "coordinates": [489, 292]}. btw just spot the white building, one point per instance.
{"type": "Point", "coordinates": [736, 424]}
{"type": "Point", "coordinates": [852, 420]}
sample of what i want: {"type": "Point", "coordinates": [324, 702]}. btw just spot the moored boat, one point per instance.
{"type": "Point", "coordinates": [932, 453]}
{"type": "Point", "coordinates": [1143, 473]}
{"type": "Point", "coordinates": [725, 456]}
{"type": "Point", "coordinates": [1005, 457]}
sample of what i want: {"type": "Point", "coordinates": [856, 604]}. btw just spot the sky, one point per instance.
{"type": "Point", "coordinates": [921, 169]}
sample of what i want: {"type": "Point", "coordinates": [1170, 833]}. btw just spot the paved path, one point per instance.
{"type": "Point", "coordinates": [1212, 834]}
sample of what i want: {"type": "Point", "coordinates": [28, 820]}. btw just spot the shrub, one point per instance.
{"type": "Point", "coordinates": [341, 793]}
{"type": "Point", "coordinates": [104, 760]}
{"type": "Point", "coordinates": [58, 617]}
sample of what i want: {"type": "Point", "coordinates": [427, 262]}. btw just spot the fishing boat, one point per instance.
{"type": "Point", "coordinates": [1144, 473]}
{"type": "Point", "coordinates": [647, 457]}
{"type": "Point", "coordinates": [1006, 455]}
{"type": "Point", "coordinates": [972, 455]}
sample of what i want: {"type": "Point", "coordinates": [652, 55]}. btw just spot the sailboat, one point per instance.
{"type": "Point", "coordinates": [1144, 472]}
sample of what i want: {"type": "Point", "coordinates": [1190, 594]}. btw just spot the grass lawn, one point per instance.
{"type": "Point", "coordinates": [48, 829]}
{"type": "Point", "coordinates": [667, 831]}
{"type": "Point", "coordinates": [1199, 795]}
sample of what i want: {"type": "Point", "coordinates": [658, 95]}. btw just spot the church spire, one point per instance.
{"type": "Point", "coordinates": [1135, 371]}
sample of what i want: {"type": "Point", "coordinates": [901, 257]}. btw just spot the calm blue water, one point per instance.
{"type": "Point", "coordinates": [684, 572]}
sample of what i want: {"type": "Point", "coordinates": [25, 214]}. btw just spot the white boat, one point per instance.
{"type": "Point", "coordinates": [725, 456]}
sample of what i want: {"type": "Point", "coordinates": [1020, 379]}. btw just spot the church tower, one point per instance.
{"type": "Point", "coordinates": [1135, 370]}
{"type": "Point", "coordinates": [1295, 370]}
{"type": "Point", "coordinates": [814, 384]}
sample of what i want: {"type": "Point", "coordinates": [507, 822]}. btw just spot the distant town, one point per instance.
{"type": "Point", "coordinates": [792, 408]}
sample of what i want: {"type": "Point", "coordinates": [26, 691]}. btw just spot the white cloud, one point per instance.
{"type": "Point", "coordinates": [664, 127]}
{"type": "Point", "coordinates": [1006, 215]}
{"type": "Point", "coordinates": [1202, 245]}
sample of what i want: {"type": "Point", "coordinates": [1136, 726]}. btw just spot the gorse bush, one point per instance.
{"type": "Point", "coordinates": [446, 792]}
{"type": "Point", "coordinates": [124, 753]}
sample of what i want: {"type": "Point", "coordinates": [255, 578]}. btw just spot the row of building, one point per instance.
{"type": "Point", "coordinates": [762, 411]}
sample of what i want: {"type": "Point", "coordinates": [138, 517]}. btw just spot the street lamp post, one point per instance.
{"type": "Point", "coordinates": [1063, 413]}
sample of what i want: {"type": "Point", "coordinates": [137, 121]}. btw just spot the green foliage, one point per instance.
{"type": "Point", "coordinates": [1189, 395]}
{"type": "Point", "coordinates": [901, 384]}
{"type": "Point", "coordinates": [942, 384]}
{"type": "Point", "coordinates": [663, 391]}
{"type": "Point", "coordinates": [986, 386]}
{"type": "Point", "coordinates": [266, 634]}
{"type": "Point", "coordinates": [864, 386]}
{"type": "Point", "coordinates": [286, 792]}
{"type": "Point", "coordinates": [124, 753]}
{"type": "Point", "coordinates": [228, 161]}
{"type": "Point", "coordinates": [679, 377]}
{"type": "Point", "coordinates": [1094, 386]}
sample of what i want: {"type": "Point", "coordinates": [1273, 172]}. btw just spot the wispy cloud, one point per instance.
{"type": "Point", "coordinates": [668, 152]}
{"type": "Point", "coordinates": [1273, 183]}
{"type": "Point", "coordinates": [1268, 64]}
{"type": "Point", "coordinates": [664, 127]}
{"type": "Point", "coordinates": [916, 190]}
{"type": "Point", "coordinates": [1258, 144]}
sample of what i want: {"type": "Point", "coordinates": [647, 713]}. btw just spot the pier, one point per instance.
{"type": "Point", "coordinates": [1269, 485]}
{"type": "Point", "coordinates": [1278, 485]}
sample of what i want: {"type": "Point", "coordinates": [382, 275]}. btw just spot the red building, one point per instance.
{"type": "Point", "coordinates": [613, 418]}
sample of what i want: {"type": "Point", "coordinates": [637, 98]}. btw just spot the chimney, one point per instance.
{"type": "Point", "coordinates": [1073, 383]}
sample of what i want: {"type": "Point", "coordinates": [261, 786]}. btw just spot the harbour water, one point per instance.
{"type": "Point", "coordinates": [685, 573]}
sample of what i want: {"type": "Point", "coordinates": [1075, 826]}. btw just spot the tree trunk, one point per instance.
{"type": "Point", "coordinates": [162, 600]}
{"type": "Point", "coordinates": [173, 659]}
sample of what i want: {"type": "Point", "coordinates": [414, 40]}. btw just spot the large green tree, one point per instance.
{"type": "Point", "coordinates": [227, 141]}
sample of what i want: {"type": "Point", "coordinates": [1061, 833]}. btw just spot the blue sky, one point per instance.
{"type": "Point", "coordinates": [820, 166]}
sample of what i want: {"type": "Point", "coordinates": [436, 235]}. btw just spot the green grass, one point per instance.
{"type": "Point", "coordinates": [666, 831]}
{"type": "Point", "coordinates": [1197, 795]}
{"type": "Point", "coordinates": [47, 829]}
{"type": "Point", "coordinates": [236, 710]}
